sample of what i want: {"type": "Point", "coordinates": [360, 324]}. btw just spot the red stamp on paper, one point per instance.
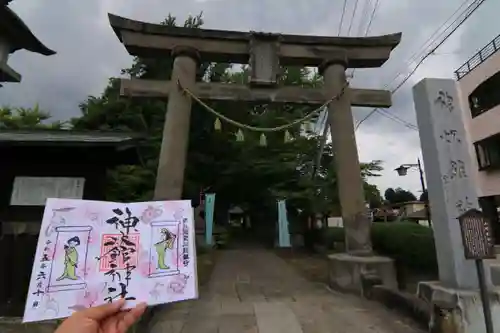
{"type": "Point", "coordinates": [114, 249]}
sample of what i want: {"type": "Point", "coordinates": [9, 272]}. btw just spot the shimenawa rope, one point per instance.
{"type": "Point", "coordinates": [239, 134]}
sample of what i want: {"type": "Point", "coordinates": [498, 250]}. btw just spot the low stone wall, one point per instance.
{"type": "Point", "coordinates": [404, 303]}
{"type": "Point", "coordinates": [458, 310]}
{"type": "Point", "coordinates": [439, 309]}
{"type": "Point", "coordinates": [375, 278]}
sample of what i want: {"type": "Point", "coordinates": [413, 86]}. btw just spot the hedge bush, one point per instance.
{"type": "Point", "coordinates": [410, 244]}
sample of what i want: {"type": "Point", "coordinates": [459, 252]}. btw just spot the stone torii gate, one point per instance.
{"type": "Point", "coordinates": [265, 53]}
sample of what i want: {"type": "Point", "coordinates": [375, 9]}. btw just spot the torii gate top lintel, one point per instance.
{"type": "Point", "coordinates": [153, 40]}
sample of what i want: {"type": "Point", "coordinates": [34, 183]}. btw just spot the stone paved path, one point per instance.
{"type": "Point", "coordinates": [256, 291]}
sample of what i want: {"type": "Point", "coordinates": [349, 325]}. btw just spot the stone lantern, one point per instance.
{"type": "Point", "coordinates": [15, 35]}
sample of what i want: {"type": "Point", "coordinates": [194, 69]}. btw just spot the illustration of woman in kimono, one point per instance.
{"type": "Point", "coordinates": [167, 243]}
{"type": "Point", "coordinates": [70, 259]}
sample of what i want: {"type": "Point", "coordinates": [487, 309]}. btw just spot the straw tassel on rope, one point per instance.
{"type": "Point", "coordinates": [263, 140]}
{"type": "Point", "coordinates": [239, 136]}
{"type": "Point", "coordinates": [217, 124]}
{"type": "Point", "coordinates": [288, 137]}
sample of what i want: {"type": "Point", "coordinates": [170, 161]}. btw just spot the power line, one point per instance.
{"type": "Point", "coordinates": [427, 43]}
{"type": "Point", "coordinates": [352, 17]}
{"type": "Point", "coordinates": [364, 12]}
{"type": "Point", "coordinates": [342, 17]}
{"type": "Point", "coordinates": [397, 119]}
{"type": "Point", "coordinates": [372, 16]}
{"type": "Point", "coordinates": [430, 40]}
{"type": "Point", "coordinates": [468, 13]}
{"type": "Point", "coordinates": [390, 116]}
{"type": "Point", "coordinates": [368, 27]}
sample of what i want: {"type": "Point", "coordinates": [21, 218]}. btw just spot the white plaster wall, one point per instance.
{"type": "Point", "coordinates": [482, 126]}
{"type": "Point", "coordinates": [414, 207]}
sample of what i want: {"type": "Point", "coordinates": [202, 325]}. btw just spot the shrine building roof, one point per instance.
{"type": "Point", "coordinates": [15, 35]}
{"type": "Point", "coordinates": [42, 137]}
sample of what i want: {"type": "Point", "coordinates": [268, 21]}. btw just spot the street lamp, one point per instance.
{"type": "Point", "coordinates": [402, 170]}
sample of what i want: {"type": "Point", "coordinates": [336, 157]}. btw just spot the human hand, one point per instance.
{"type": "Point", "coordinates": [106, 318]}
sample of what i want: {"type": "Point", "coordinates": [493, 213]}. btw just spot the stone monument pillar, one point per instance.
{"type": "Point", "coordinates": [172, 161]}
{"type": "Point", "coordinates": [452, 191]}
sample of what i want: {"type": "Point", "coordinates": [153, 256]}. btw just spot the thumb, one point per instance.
{"type": "Point", "coordinates": [103, 311]}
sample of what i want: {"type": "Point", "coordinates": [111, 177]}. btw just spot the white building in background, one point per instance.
{"type": "Point", "coordinates": [479, 82]}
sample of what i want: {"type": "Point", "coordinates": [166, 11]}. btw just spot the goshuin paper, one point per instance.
{"type": "Point", "coordinates": [93, 252]}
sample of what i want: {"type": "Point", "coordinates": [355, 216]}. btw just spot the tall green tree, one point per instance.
{"type": "Point", "coordinates": [398, 195]}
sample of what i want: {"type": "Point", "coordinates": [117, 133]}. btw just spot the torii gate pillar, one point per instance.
{"type": "Point", "coordinates": [174, 146]}
{"type": "Point", "coordinates": [349, 180]}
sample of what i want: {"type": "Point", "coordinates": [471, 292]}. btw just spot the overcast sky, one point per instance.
{"type": "Point", "coordinates": [88, 53]}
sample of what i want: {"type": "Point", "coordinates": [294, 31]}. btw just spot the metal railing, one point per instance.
{"type": "Point", "coordinates": [478, 58]}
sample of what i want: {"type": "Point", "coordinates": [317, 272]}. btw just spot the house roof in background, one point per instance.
{"type": "Point", "coordinates": [41, 137]}
{"type": "Point", "coordinates": [396, 205]}
{"type": "Point", "coordinates": [419, 214]}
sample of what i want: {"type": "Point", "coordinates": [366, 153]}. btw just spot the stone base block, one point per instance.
{"type": "Point", "coordinates": [358, 274]}
{"type": "Point", "coordinates": [455, 310]}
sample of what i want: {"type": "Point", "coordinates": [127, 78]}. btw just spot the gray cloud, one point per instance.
{"type": "Point", "coordinates": [89, 53]}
